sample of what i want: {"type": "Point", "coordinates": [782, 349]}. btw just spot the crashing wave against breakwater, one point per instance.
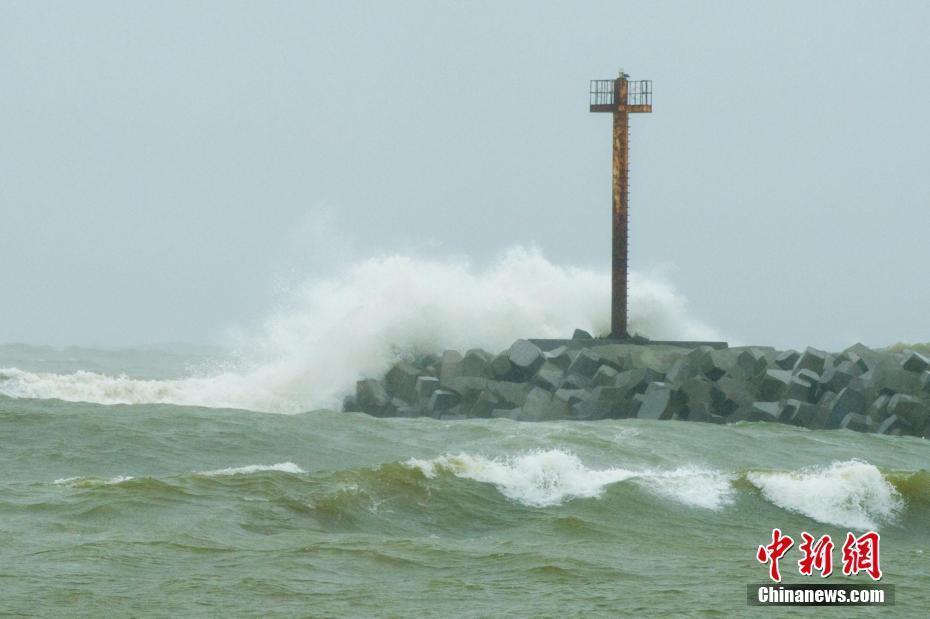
{"type": "Point", "coordinates": [327, 332]}
{"type": "Point", "coordinates": [858, 389]}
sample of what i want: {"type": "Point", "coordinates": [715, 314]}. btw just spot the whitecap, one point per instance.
{"type": "Point", "coordinates": [282, 467]}
{"type": "Point", "coordinates": [545, 478]}
{"type": "Point", "coordinates": [692, 486]}
{"type": "Point", "coordinates": [851, 493]}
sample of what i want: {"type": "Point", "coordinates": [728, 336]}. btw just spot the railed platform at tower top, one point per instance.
{"type": "Point", "coordinates": [621, 95]}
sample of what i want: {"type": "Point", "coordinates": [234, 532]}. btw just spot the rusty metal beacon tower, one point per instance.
{"type": "Point", "coordinates": [621, 97]}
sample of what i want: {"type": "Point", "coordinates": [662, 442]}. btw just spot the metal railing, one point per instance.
{"type": "Point", "coordinates": [603, 92]}
{"type": "Point", "coordinates": [639, 92]}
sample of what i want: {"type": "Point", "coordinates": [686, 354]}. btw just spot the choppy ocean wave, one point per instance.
{"type": "Point", "coordinates": [853, 494]}
{"type": "Point", "coordinates": [320, 506]}
{"type": "Point", "coordinates": [545, 478]}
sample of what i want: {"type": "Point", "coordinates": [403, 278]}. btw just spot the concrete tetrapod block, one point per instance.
{"type": "Point", "coordinates": [573, 381]}
{"type": "Point", "coordinates": [605, 394]}
{"type": "Point", "coordinates": [371, 396]}
{"type": "Point", "coordinates": [798, 413]}
{"type": "Point", "coordinates": [581, 334]}
{"type": "Point", "coordinates": [774, 385]}
{"type": "Point", "coordinates": [574, 396]}
{"type": "Point", "coordinates": [468, 387]}
{"type": "Point", "coordinates": [702, 412]}
{"type": "Point", "coordinates": [847, 401]}
{"type": "Point", "coordinates": [894, 379]}
{"type": "Point", "coordinates": [526, 358]}
{"type": "Point", "coordinates": [808, 375]}
{"type": "Point", "coordinates": [680, 371]}
{"type": "Point", "coordinates": [657, 403]}
{"type": "Point", "coordinates": [561, 356]}
{"type": "Point", "coordinates": [910, 409]}
{"type": "Point", "coordinates": [549, 376]}
{"type": "Point", "coordinates": [441, 401]}
{"type": "Point", "coordinates": [894, 425]}
{"type": "Point", "coordinates": [450, 366]}
{"type": "Point", "coordinates": [878, 410]}
{"type": "Point", "coordinates": [822, 414]}
{"type": "Point", "coordinates": [483, 406]}
{"type": "Point", "coordinates": [605, 376]}
{"type": "Point", "coordinates": [561, 405]}
{"type": "Point", "coordinates": [501, 367]}
{"type": "Point", "coordinates": [731, 399]}
{"type": "Point", "coordinates": [812, 359]}
{"type": "Point", "coordinates": [512, 394]}
{"type": "Point", "coordinates": [425, 387]}
{"type": "Point", "coordinates": [636, 380]}
{"type": "Point", "coordinates": [749, 364]}
{"type": "Point", "coordinates": [401, 381]}
{"type": "Point", "coordinates": [714, 364]}
{"type": "Point", "coordinates": [915, 362]}
{"type": "Point", "coordinates": [697, 390]}
{"type": "Point", "coordinates": [859, 365]}
{"type": "Point", "coordinates": [477, 363]}
{"type": "Point", "coordinates": [426, 360]}
{"type": "Point", "coordinates": [787, 359]}
{"type": "Point", "coordinates": [539, 406]}
{"type": "Point", "coordinates": [585, 364]}
{"type": "Point", "coordinates": [859, 423]}
{"type": "Point", "coordinates": [836, 378]}
{"type": "Point", "coordinates": [799, 389]}
{"type": "Point", "coordinates": [765, 411]}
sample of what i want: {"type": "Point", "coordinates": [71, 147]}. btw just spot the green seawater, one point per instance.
{"type": "Point", "coordinates": [161, 510]}
{"type": "Point", "coordinates": [363, 531]}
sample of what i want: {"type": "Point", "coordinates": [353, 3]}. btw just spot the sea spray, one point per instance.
{"type": "Point", "coordinates": [330, 332]}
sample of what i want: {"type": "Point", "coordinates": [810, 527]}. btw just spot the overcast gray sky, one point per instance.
{"type": "Point", "coordinates": [164, 164]}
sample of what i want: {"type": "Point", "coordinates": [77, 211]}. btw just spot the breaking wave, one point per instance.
{"type": "Point", "coordinates": [331, 332]}
{"type": "Point", "coordinates": [851, 494]}
{"type": "Point", "coordinates": [281, 467]}
{"type": "Point", "coordinates": [546, 478]}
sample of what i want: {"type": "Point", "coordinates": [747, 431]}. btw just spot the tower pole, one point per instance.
{"type": "Point", "coordinates": [621, 98]}
{"type": "Point", "coordinates": [621, 162]}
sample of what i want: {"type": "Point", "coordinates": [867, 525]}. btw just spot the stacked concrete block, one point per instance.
{"type": "Point", "coordinates": [858, 389]}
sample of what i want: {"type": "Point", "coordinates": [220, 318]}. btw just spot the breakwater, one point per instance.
{"type": "Point", "coordinates": [860, 388]}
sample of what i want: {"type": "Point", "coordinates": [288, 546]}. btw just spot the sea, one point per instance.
{"type": "Point", "coordinates": [165, 482]}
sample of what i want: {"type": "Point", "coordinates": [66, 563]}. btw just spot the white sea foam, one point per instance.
{"type": "Point", "coordinates": [331, 332]}
{"type": "Point", "coordinates": [283, 467]}
{"type": "Point", "coordinates": [693, 486]}
{"type": "Point", "coordinates": [537, 479]}
{"type": "Point", "coordinates": [544, 478]}
{"type": "Point", "coordinates": [851, 494]}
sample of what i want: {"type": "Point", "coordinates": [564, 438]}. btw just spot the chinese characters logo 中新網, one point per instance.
{"type": "Point", "coordinates": [859, 554]}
